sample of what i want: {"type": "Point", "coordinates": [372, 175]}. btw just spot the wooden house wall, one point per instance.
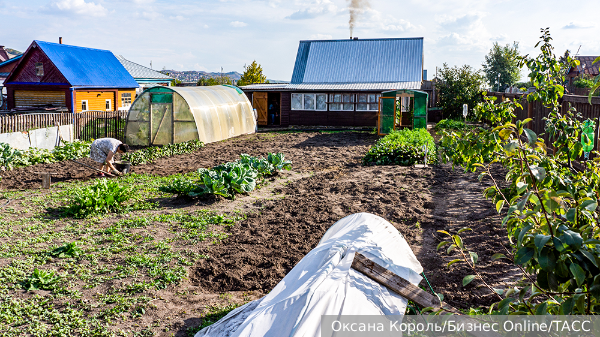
{"type": "Point", "coordinates": [325, 118]}
{"type": "Point", "coordinates": [26, 71]}
{"type": "Point", "coordinates": [31, 98]}
{"type": "Point", "coordinates": [96, 99]}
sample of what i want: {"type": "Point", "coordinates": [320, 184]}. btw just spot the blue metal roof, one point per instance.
{"type": "Point", "coordinates": [16, 58]}
{"type": "Point", "coordinates": [359, 61]}
{"type": "Point", "coordinates": [87, 67]}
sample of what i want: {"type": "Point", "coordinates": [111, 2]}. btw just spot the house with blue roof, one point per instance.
{"type": "Point", "coordinates": [70, 77]}
{"type": "Point", "coordinates": [339, 82]}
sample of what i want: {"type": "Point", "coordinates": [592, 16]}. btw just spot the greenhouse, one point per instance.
{"type": "Point", "coordinates": [167, 115]}
{"type": "Point", "coordinates": [402, 109]}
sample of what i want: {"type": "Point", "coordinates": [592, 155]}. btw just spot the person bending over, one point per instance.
{"type": "Point", "coordinates": [103, 150]}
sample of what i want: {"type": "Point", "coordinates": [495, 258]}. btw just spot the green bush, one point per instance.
{"type": "Point", "coordinates": [449, 124]}
{"type": "Point", "coordinates": [403, 147]}
{"type": "Point", "coordinates": [103, 196]}
{"type": "Point", "coordinates": [229, 179]}
{"type": "Point", "coordinates": [150, 154]}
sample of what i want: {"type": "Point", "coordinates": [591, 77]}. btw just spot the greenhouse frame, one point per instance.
{"type": "Point", "coordinates": [168, 115]}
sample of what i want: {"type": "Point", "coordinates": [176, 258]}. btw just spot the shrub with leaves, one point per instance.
{"type": "Point", "coordinates": [103, 196]}
{"type": "Point", "coordinates": [551, 213]}
{"type": "Point", "coordinates": [238, 177]}
{"type": "Point", "coordinates": [150, 154]}
{"type": "Point", "coordinates": [402, 147]}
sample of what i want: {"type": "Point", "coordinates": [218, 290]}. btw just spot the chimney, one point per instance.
{"type": "Point", "coordinates": [60, 40]}
{"type": "Point", "coordinates": [355, 38]}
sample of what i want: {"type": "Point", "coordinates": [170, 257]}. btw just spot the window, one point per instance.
{"type": "Point", "coordinates": [84, 105]}
{"type": "Point", "coordinates": [309, 102]}
{"type": "Point", "coordinates": [108, 105]}
{"type": "Point", "coordinates": [321, 102]}
{"type": "Point", "coordinates": [373, 101]}
{"type": "Point", "coordinates": [405, 104]}
{"type": "Point", "coordinates": [334, 102]}
{"type": "Point", "coordinates": [39, 69]}
{"type": "Point", "coordinates": [126, 99]}
{"type": "Point", "coordinates": [296, 101]}
{"type": "Point", "coordinates": [348, 100]}
{"type": "Point", "coordinates": [362, 102]}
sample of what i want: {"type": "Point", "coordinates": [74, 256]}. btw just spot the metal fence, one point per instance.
{"type": "Point", "coordinates": [87, 125]}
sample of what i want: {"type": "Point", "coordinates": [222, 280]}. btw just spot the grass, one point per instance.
{"type": "Point", "coordinates": [64, 276]}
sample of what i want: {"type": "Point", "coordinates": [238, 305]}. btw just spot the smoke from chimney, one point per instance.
{"type": "Point", "coordinates": [356, 8]}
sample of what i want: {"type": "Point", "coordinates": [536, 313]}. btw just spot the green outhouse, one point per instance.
{"type": "Point", "coordinates": [402, 109]}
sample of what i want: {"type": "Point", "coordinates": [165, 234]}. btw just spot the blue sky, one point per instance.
{"type": "Point", "coordinates": [208, 35]}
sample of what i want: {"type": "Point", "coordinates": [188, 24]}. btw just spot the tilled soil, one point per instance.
{"type": "Point", "coordinates": [330, 183]}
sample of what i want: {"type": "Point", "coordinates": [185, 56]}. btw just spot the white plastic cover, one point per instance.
{"type": "Point", "coordinates": [323, 283]}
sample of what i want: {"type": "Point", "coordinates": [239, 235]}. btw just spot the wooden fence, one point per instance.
{"type": "Point", "coordinates": [87, 125]}
{"type": "Point", "coordinates": [537, 111]}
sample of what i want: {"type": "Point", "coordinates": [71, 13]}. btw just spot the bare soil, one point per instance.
{"type": "Point", "coordinates": [287, 218]}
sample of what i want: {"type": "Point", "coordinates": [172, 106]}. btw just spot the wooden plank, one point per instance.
{"type": "Point", "coordinates": [46, 180]}
{"type": "Point", "coordinates": [411, 292]}
{"type": "Point", "coordinates": [395, 283]}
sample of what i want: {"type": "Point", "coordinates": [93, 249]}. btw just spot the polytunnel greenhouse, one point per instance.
{"type": "Point", "coordinates": [163, 115]}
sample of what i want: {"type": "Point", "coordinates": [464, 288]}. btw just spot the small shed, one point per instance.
{"type": "Point", "coordinates": [167, 115]}
{"type": "Point", "coordinates": [402, 109]}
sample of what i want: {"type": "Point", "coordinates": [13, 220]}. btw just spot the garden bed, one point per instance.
{"type": "Point", "coordinates": [278, 224]}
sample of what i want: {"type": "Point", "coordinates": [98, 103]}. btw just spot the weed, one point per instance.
{"type": "Point", "coordinates": [41, 279]}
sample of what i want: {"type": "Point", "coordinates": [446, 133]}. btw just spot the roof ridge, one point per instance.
{"type": "Point", "coordinates": [70, 45]}
{"type": "Point", "coordinates": [373, 39]}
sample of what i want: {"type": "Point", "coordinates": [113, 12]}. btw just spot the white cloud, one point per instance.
{"type": "Point", "coordinates": [205, 26]}
{"type": "Point", "coordinates": [314, 9]}
{"type": "Point", "coordinates": [238, 24]}
{"type": "Point", "coordinates": [321, 37]}
{"type": "Point", "coordinates": [178, 18]}
{"type": "Point", "coordinates": [79, 7]}
{"type": "Point", "coordinates": [578, 25]}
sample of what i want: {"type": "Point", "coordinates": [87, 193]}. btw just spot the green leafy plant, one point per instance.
{"type": "Point", "coordinates": [71, 150]}
{"type": "Point", "coordinates": [551, 214]}
{"type": "Point", "coordinates": [41, 279]}
{"type": "Point", "coordinates": [402, 147]}
{"type": "Point", "coordinates": [9, 156]}
{"type": "Point", "coordinates": [103, 196]}
{"type": "Point", "coordinates": [229, 179]}
{"type": "Point", "coordinates": [215, 313]}
{"type": "Point", "coordinates": [66, 250]}
{"type": "Point", "coordinates": [150, 154]}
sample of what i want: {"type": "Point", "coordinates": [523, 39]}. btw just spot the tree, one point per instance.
{"type": "Point", "coordinates": [204, 81]}
{"type": "Point", "coordinates": [457, 86]}
{"type": "Point", "coordinates": [502, 60]}
{"type": "Point", "coordinates": [252, 74]}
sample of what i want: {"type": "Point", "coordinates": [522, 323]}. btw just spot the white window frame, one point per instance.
{"type": "Point", "coordinates": [130, 97]}
{"type": "Point", "coordinates": [314, 100]}
{"type": "Point", "coordinates": [87, 105]}
{"type": "Point", "coordinates": [316, 106]}
{"type": "Point", "coordinates": [109, 102]}
{"type": "Point", "coordinates": [301, 101]}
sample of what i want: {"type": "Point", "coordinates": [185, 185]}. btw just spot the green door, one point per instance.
{"type": "Point", "coordinates": [161, 121]}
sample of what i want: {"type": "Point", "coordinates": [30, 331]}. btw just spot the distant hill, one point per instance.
{"type": "Point", "coordinates": [12, 53]}
{"type": "Point", "coordinates": [195, 75]}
